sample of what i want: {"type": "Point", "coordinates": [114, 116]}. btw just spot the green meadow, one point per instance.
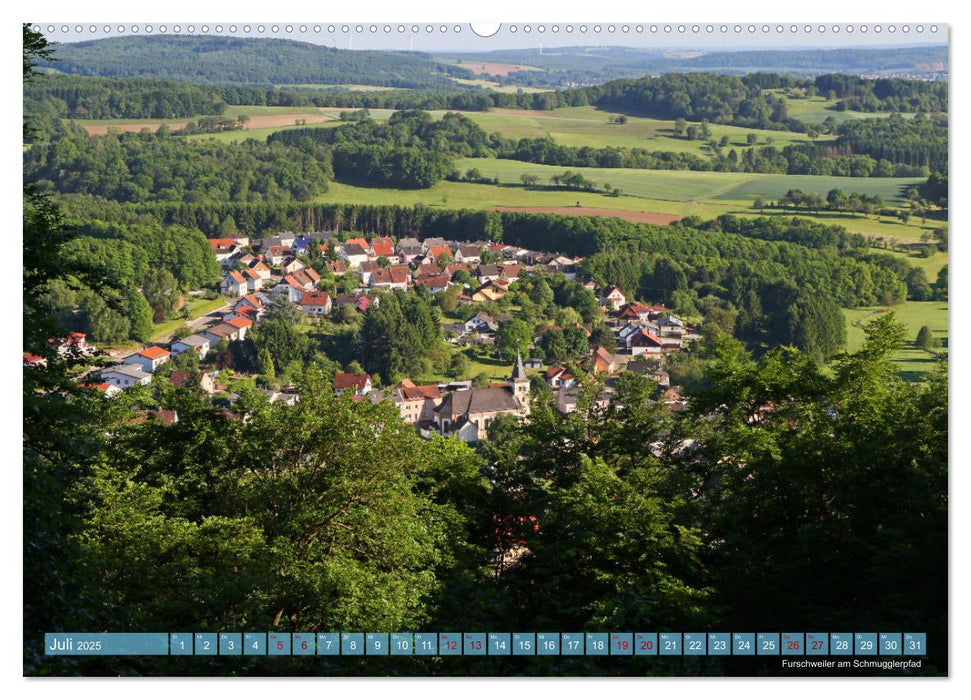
{"type": "Point", "coordinates": [914, 362]}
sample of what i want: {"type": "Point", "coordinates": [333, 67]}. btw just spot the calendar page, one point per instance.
{"type": "Point", "coordinates": [438, 348]}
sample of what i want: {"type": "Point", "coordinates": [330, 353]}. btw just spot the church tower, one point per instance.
{"type": "Point", "coordinates": [519, 382]}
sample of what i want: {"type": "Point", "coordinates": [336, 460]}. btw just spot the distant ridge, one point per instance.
{"type": "Point", "coordinates": [246, 61]}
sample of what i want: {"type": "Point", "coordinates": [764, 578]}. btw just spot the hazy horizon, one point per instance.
{"type": "Point", "coordinates": [514, 36]}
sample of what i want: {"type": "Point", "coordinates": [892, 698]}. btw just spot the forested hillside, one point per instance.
{"type": "Point", "coordinates": [265, 62]}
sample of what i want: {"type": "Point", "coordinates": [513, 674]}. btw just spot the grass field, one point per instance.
{"type": "Point", "coordinates": [815, 110]}
{"type": "Point", "coordinates": [688, 193]}
{"type": "Point", "coordinates": [687, 185]}
{"type": "Point", "coordinates": [259, 134]}
{"type": "Point", "coordinates": [590, 126]}
{"type": "Point", "coordinates": [931, 266]}
{"type": "Point", "coordinates": [463, 195]}
{"type": "Point", "coordinates": [914, 363]}
{"type": "Point", "coordinates": [197, 306]}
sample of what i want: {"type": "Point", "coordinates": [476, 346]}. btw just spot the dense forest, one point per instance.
{"type": "Point", "coordinates": [921, 141]}
{"type": "Point", "coordinates": [150, 267]}
{"type": "Point", "coordinates": [884, 94]}
{"type": "Point", "coordinates": [130, 167]}
{"type": "Point", "coordinates": [76, 97]}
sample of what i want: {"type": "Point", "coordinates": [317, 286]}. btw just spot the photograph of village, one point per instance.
{"type": "Point", "coordinates": [589, 337]}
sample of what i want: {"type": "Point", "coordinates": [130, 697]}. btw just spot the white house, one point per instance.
{"type": "Point", "coordinates": [468, 254]}
{"type": "Point", "coordinates": [219, 332]}
{"type": "Point", "coordinates": [614, 298]}
{"type": "Point", "coordinates": [193, 342]}
{"type": "Point", "coordinates": [234, 285]}
{"type": "Point", "coordinates": [125, 376]}
{"type": "Point", "coordinates": [316, 303]}
{"type": "Point", "coordinates": [149, 359]}
{"type": "Point", "coordinates": [645, 343]}
{"type": "Point", "coordinates": [353, 254]}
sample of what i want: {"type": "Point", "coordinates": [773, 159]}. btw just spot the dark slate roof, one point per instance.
{"type": "Point", "coordinates": [485, 400]}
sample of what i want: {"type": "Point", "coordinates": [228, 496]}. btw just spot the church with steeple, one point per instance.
{"type": "Point", "coordinates": [467, 413]}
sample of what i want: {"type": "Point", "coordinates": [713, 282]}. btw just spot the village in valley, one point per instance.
{"type": "Point", "coordinates": [323, 277]}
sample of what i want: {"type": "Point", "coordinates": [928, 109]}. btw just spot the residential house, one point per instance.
{"type": "Point", "coordinates": [559, 376]}
{"type": "Point", "coordinates": [234, 284]}
{"type": "Point", "coordinates": [32, 360]}
{"type": "Point", "coordinates": [425, 269]}
{"type": "Point", "coordinates": [353, 254]}
{"type": "Point", "coordinates": [416, 402]}
{"type": "Point", "coordinates": [366, 269]}
{"type": "Point", "coordinates": [257, 302]}
{"type": "Point", "coordinates": [435, 252]}
{"type": "Point", "coordinates": [510, 272]}
{"type": "Point", "coordinates": [671, 325]}
{"type": "Point", "coordinates": [435, 241]}
{"type": "Point", "coordinates": [241, 323]}
{"type": "Point", "coordinates": [644, 342]}
{"type": "Point", "coordinates": [452, 268]}
{"type": "Point", "coordinates": [399, 276]}
{"type": "Point", "coordinates": [358, 384]}
{"type": "Point", "coordinates": [292, 265]}
{"type": "Point", "coordinates": [179, 377]}
{"type": "Point", "coordinates": [195, 343]}
{"type": "Point", "coordinates": [74, 344]}
{"type": "Point", "coordinates": [150, 358]}
{"type": "Point", "coordinates": [490, 291]}
{"type": "Point", "coordinates": [286, 239]}
{"type": "Point", "coordinates": [301, 244]}
{"type": "Point", "coordinates": [109, 390]}
{"type": "Point", "coordinates": [362, 242]}
{"type": "Point", "coordinates": [219, 332]}
{"type": "Point", "coordinates": [434, 283]}
{"type": "Point", "coordinates": [481, 323]}
{"type": "Point", "coordinates": [315, 303]}
{"type": "Point", "coordinates": [605, 362]}
{"type": "Point", "coordinates": [254, 282]}
{"type": "Point", "coordinates": [225, 249]}
{"type": "Point", "coordinates": [651, 369]}
{"type": "Point", "coordinates": [564, 265]}
{"type": "Point", "coordinates": [637, 311]}
{"type": "Point", "coordinates": [287, 398]}
{"type": "Point", "coordinates": [383, 248]}
{"type": "Point", "coordinates": [337, 267]}
{"type": "Point", "coordinates": [613, 298]}
{"type": "Point", "coordinates": [488, 273]}
{"type": "Point", "coordinates": [469, 254]}
{"type": "Point", "coordinates": [276, 254]}
{"type": "Point", "coordinates": [295, 284]}
{"type": "Point", "coordinates": [164, 416]}
{"type": "Point", "coordinates": [360, 302]}
{"type": "Point", "coordinates": [407, 254]}
{"type": "Point", "coordinates": [125, 375]}
{"type": "Point", "coordinates": [261, 269]}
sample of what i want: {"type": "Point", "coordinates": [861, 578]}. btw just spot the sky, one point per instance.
{"type": "Point", "coordinates": [455, 37]}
